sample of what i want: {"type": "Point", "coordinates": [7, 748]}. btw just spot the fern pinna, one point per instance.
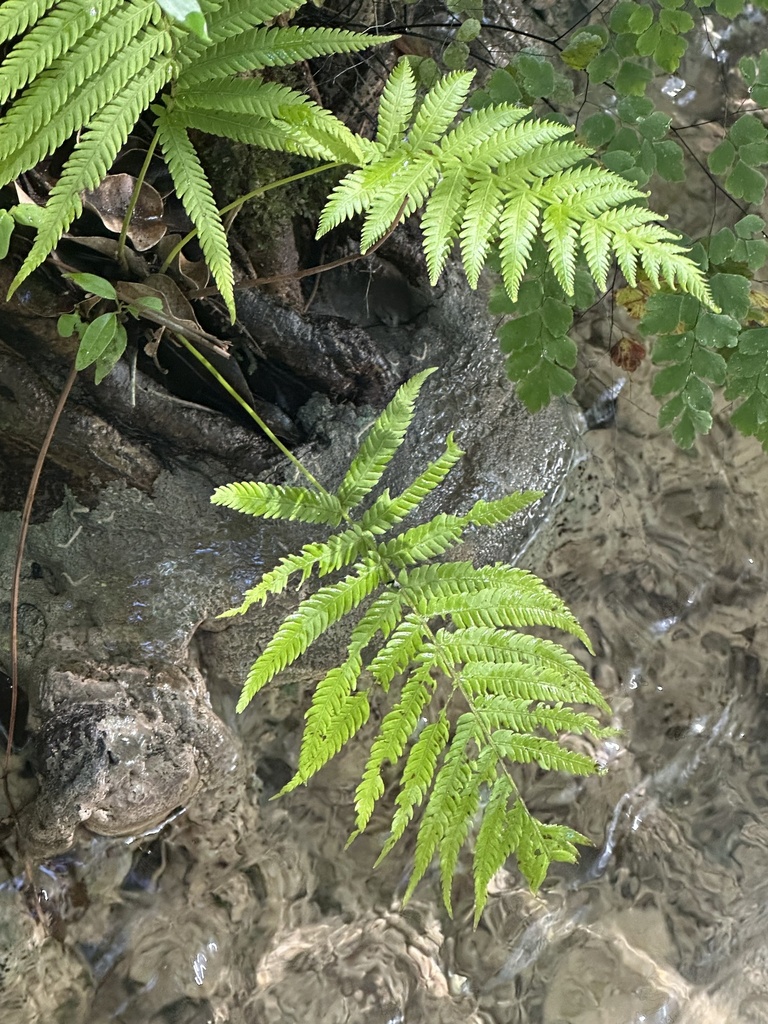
{"type": "Point", "coordinates": [493, 696]}
{"type": "Point", "coordinates": [91, 67]}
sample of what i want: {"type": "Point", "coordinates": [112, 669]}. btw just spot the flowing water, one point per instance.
{"type": "Point", "coordinates": [244, 910]}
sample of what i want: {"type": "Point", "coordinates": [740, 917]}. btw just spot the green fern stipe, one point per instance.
{"type": "Point", "coordinates": [500, 177]}
{"type": "Point", "coordinates": [449, 632]}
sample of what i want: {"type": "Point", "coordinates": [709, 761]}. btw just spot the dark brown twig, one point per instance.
{"type": "Point", "coordinates": [297, 275]}
{"type": "Point", "coordinates": [26, 515]}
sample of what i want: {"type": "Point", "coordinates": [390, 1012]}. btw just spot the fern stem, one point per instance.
{"type": "Point", "coordinates": [237, 203]}
{"type": "Point", "coordinates": [252, 413]}
{"type": "Point", "coordinates": [135, 198]}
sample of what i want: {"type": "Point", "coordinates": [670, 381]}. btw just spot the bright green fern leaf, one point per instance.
{"type": "Point", "coordinates": [492, 177]}
{"type": "Point", "coordinates": [194, 190]}
{"type": "Point", "coordinates": [396, 105]}
{"type": "Point", "coordinates": [434, 633]}
{"type": "Point", "coordinates": [268, 48]}
{"type": "Point", "coordinates": [381, 443]}
{"type": "Point", "coordinates": [107, 132]}
{"type": "Point", "coordinates": [17, 15]}
{"type": "Point", "coordinates": [88, 70]}
{"type": "Point", "coordinates": [273, 501]}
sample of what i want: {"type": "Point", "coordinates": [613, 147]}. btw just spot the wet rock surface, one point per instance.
{"type": "Point", "coordinates": [207, 916]}
{"type": "Point", "coordinates": [118, 750]}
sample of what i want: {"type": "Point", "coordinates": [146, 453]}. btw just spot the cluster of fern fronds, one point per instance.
{"type": "Point", "coordinates": [496, 177]}
{"type": "Point", "coordinates": [475, 696]}
{"type": "Point", "coordinates": [92, 67]}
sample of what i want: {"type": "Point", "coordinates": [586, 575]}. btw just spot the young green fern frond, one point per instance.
{"type": "Point", "coordinates": [52, 36]}
{"type": "Point", "coordinates": [16, 16]}
{"type": "Point", "coordinates": [239, 96]}
{"type": "Point", "coordinates": [396, 729]}
{"type": "Point", "coordinates": [450, 632]}
{"type": "Point", "coordinates": [88, 165]}
{"type": "Point", "coordinates": [194, 190]}
{"type": "Point", "coordinates": [418, 775]}
{"type": "Point", "coordinates": [269, 48]}
{"type": "Point", "coordinates": [396, 105]}
{"type": "Point", "coordinates": [313, 617]}
{"type": "Point", "coordinates": [273, 501]}
{"type": "Point", "coordinates": [336, 714]}
{"type": "Point", "coordinates": [497, 177]}
{"type": "Point", "coordinates": [381, 443]}
{"type": "Point", "coordinates": [233, 17]}
{"type": "Point", "coordinates": [75, 66]}
{"type": "Point", "coordinates": [59, 102]}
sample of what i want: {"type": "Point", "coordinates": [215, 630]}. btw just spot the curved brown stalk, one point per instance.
{"type": "Point", "coordinates": [297, 275]}
{"type": "Point", "coordinates": [26, 515]}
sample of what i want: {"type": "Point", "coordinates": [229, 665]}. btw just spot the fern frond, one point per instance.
{"type": "Point", "coordinates": [491, 513]}
{"type": "Point", "coordinates": [445, 814]}
{"type": "Point", "coordinates": [518, 227]}
{"type": "Point", "coordinates": [522, 680]}
{"type": "Point", "coordinates": [396, 106]}
{"type": "Point", "coordinates": [472, 602]}
{"type": "Point", "coordinates": [418, 773]}
{"type": "Point", "coordinates": [52, 36]}
{"type": "Point", "coordinates": [596, 245]}
{"type": "Point", "coordinates": [482, 643]}
{"type": "Point", "coordinates": [410, 185]}
{"type": "Point", "coordinates": [239, 96]}
{"type": "Point", "coordinates": [233, 17]}
{"type": "Point", "coordinates": [275, 501]}
{"type": "Point", "coordinates": [89, 163]}
{"type": "Point", "coordinates": [539, 161]}
{"type": "Point", "coordinates": [497, 176]}
{"type": "Point", "coordinates": [57, 105]}
{"type": "Point", "coordinates": [480, 225]}
{"type": "Point", "coordinates": [547, 754]}
{"type": "Point", "coordinates": [269, 48]}
{"type": "Point", "coordinates": [381, 442]}
{"type": "Point", "coordinates": [335, 715]}
{"type": "Point", "coordinates": [311, 127]}
{"type": "Point", "coordinates": [396, 729]}
{"type": "Point", "coordinates": [523, 716]}
{"type": "Point", "coordinates": [399, 651]}
{"type": "Point", "coordinates": [17, 15]}
{"type": "Point", "coordinates": [346, 199]}
{"type": "Point", "coordinates": [339, 551]}
{"type": "Point", "coordinates": [480, 126]}
{"type": "Point", "coordinates": [194, 190]}
{"type": "Point", "coordinates": [439, 109]}
{"type": "Point", "coordinates": [538, 845]}
{"type": "Point", "coordinates": [519, 143]}
{"type": "Point", "coordinates": [497, 838]}
{"type": "Point", "coordinates": [590, 182]}
{"type": "Point", "coordinates": [253, 131]}
{"type": "Point", "coordinates": [383, 515]}
{"type": "Point", "coordinates": [422, 542]}
{"type": "Point", "coordinates": [444, 622]}
{"type": "Point", "coordinates": [382, 615]}
{"type": "Point", "coordinates": [276, 580]}
{"type": "Point", "coordinates": [561, 233]}
{"type": "Point", "coordinates": [312, 617]}
{"type": "Point", "coordinates": [442, 219]}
